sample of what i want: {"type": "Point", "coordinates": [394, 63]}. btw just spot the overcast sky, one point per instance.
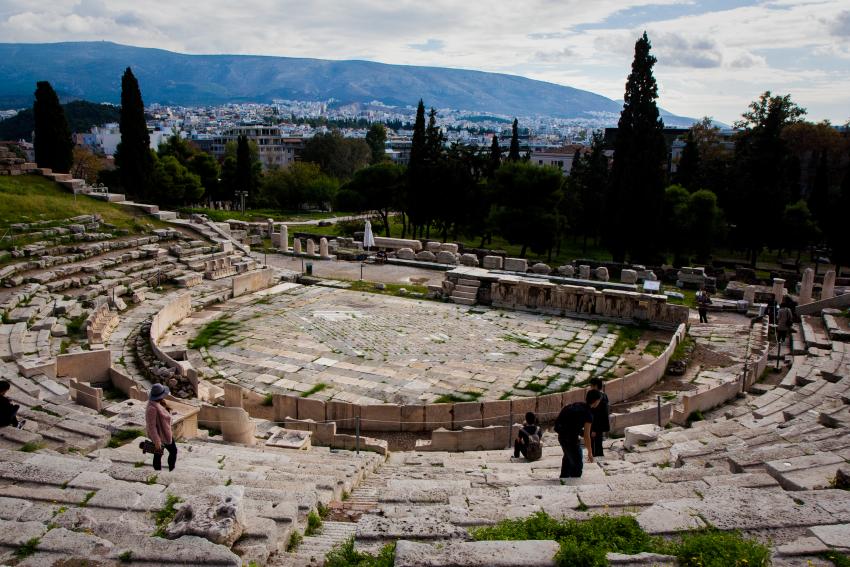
{"type": "Point", "coordinates": [714, 57]}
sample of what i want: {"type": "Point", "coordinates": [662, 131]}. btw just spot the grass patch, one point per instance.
{"type": "Point", "coordinates": [218, 332]}
{"type": "Point", "coordinates": [28, 548]}
{"type": "Point", "coordinates": [457, 398]}
{"type": "Point", "coordinates": [694, 416]}
{"type": "Point", "coordinates": [586, 543]}
{"type": "Point", "coordinates": [655, 348]}
{"type": "Point", "coordinates": [837, 559]}
{"type": "Point", "coordinates": [627, 339]}
{"type": "Point", "coordinates": [683, 349]}
{"type": "Point", "coordinates": [295, 540]}
{"type": "Point", "coordinates": [43, 409]}
{"type": "Point", "coordinates": [713, 548]}
{"type": "Point", "coordinates": [389, 288]}
{"type": "Point", "coordinates": [75, 325]}
{"type": "Point", "coordinates": [123, 436]}
{"type": "Point", "coordinates": [268, 400]}
{"type": "Point", "coordinates": [344, 555]}
{"type": "Point", "coordinates": [322, 510]}
{"type": "Point", "coordinates": [317, 388]}
{"type": "Point", "coordinates": [126, 557]}
{"type": "Point", "coordinates": [31, 447]}
{"type": "Point", "coordinates": [164, 516]}
{"type": "Point", "coordinates": [314, 524]}
{"type": "Point", "coordinates": [151, 479]}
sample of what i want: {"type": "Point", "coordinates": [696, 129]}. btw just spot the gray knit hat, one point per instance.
{"type": "Point", "coordinates": [158, 391]}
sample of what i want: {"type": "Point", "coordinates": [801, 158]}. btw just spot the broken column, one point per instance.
{"type": "Point", "coordinates": [311, 247]}
{"type": "Point", "coordinates": [323, 248]}
{"type": "Point", "coordinates": [828, 289]}
{"type": "Point", "coordinates": [750, 294]}
{"type": "Point", "coordinates": [806, 286]}
{"type": "Point", "coordinates": [284, 238]}
{"type": "Point", "coordinates": [296, 245]}
{"type": "Point", "coordinates": [778, 290]}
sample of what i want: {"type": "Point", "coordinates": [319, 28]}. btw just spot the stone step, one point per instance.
{"type": "Point", "coordinates": [519, 553]}
{"type": "Point", "coordinates": [464, 295]}
{"type": "Point", "coordinates": [466, 289]}
{"type": "Point", "coordinates": [468, 283]}
{"type": "Point", "coordinates": [463, 301]}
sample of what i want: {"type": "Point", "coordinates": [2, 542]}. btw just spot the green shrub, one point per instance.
{"type": "Point", "coordinates": [713, 548]}
{"type": "Point", "coordinates": [164, 516]}
{"type": "Point", "coordinates": [28, 548]}
{"type": "Point", "coordinates": [314, 524]}
{"type": "Point", "coordinates": [268, 400]}
{"type": "Point", "coordinates": [294, 541]}
{"type": "Point", "coordinates": [345, 555]}
{"type": "Point", "coordinates": [123, 436]}
{"type": "Point", "coordinates": [837, 559]}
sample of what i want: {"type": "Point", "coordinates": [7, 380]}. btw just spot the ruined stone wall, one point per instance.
{"type": "Point", "coordinates": [627, 307]}
{"type": "Point", "coordinates": [173, 313]}
{"type": "Point", "coordinates": [429, 417]}
{"type": "Point", "coordinates": [250, 282]}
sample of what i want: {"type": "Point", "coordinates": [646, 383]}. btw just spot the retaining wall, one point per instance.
{"type": "Point", "coordinates": [174, 312]}
{"type": "Point", "coordinates": [430, 417]}
{"type": "Point", "coordinates": [91, 366]}
{"type": "Point", "coordinates": [250, 282]}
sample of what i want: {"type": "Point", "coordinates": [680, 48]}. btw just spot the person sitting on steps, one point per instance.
{"type": "Point", "coordinates": [528, 439]}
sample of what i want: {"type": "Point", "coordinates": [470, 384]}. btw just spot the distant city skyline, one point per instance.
{"type": "Point", "coordinates": [713, 57]}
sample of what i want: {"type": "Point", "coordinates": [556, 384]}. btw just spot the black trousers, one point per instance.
{"type": "Point", "coordinates": [703, 315]}
{"type": "Point", "coordinates": [172, 457]}
{"type": "Point", "coordinates": [520, 447]}
{"type": "Point", "coordinates": [596, 443]}
{"type": "Point", "coordinates": [572, 464]}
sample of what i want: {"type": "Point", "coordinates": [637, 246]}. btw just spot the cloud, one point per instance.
{"type": "Point", "coordinates": [840, 26]}
{"type": "Point", "coordinates": [430, 45]}
{"type": "Point", "coordinates": [677, 50]}
{"type": "Point", "coordinates": [558, 56]}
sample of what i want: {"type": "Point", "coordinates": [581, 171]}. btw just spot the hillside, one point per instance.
{"type": "Point", "coordinates": [92, 70]}
{"type": "Point", "coordinates": [81, 116]}
{"type": "Point", "coordinates": [32, 198]}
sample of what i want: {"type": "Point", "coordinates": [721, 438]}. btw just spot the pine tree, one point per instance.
{"type": "Point", "coordinates": [53, 145]}
{"type": "Point", "coordinates": [688, 170]}
{"type": "Point", "coordinates": [433, 139]}
{"type": "Point", "coordinates": [637, 178]}
{"type": "Point", "coordinates": [133, 156]}
{"type": "Point", "coordinates": [513, 154]}
{"type": "Point", "coordinates": [376, 137]}
{"type": "Point", "coordinates": [495, 155]}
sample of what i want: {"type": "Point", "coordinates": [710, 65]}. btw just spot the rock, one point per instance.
{"type": "Point", "coordinates": [492, 262]}
{"type": "Point", "coordinates": [541, 268]}
{"type": "Point", "coordinates": [380, 285]}
{"type": "Point", "coordinates": [584, 272]}
{"type": "Point", "coordinates": [426, 256]}
{"type": "Point", "coordinates": [446, 257]}
{"type": "Point", "coordinates": [567, 270]}
{"type": "Point", "coordinates": [516, 265]}
{"type": "Point", "coordinates": [217, 516]}
{"type": "Point", "coordinates": [469, 260]}
{"type": "Point", "coordinates": [405, 254]}
{"type": "Point", "coordinates": [601, 273]}
{"type": "Point", "coordinates": [641, 433]}
{"type": "Point", "coordinates": [538, 553]}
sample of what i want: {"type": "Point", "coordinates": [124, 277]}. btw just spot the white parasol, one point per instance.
{"type": "Point", "coordinates": [368, 237]}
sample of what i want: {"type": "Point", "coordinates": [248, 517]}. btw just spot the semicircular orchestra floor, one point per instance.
{"type": "Point", "coordinates": [368, 348]}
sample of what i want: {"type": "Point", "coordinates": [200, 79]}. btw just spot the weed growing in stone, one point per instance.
{"type": "Point", "coordinates": [86, 498]}
{"type": "Point", "coordinates": [317, 388]}
{"type": "Point", "coordinates": [314, 524]}
{"type": "Point", "coordinates": [28, 548]}
{"type": "Point", "coordinates": [31, 447]}
{"type": "Point", "coordinates": [345, 555]}
{"type": "Point", "coordinates": [713, 548]}
{"type": "Point", "coordinates": [221, 331]}
{"type": "Point", "coordinates": [655, 348]}
{"type": "Point", "coordinates": [164, 516]}
{"type": "Point", "coordinates": [627, 339]}
{"type": "Point", "coordinates": [123, 436]}
{"type": "Point", "coordinates": [268, 400]}
{"type": "Point", "coordinates": [294, 541]}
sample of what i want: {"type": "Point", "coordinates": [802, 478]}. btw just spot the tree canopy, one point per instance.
{"type": "Point", "coordinates": [53, 144]}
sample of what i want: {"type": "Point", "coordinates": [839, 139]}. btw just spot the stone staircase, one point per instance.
{"type": "Point", "coordinates": [102, 506]}
{"type": "Point", "coordinates": [465, 292]}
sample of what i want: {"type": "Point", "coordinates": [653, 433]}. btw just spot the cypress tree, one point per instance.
{"type": "Point", "coordinates": [415, 170]}
{"type": "Point", "coordinates": [495, 155]}
{"type": "Point", "coordinates": [513, 154]}
{"type": "Point", "coordinates": [640, 154]}
{"type": "Point", "coordinates": [133, 156]}
{"type": "Point", "coordinates": [53, 144]}
{"type": "Point", "coordinates": [433, 138]}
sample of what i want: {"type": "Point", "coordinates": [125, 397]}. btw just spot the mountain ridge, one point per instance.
{"type": "Point", "coordinates": [92, 71]}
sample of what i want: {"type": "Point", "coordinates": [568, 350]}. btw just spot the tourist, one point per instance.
{"type": "Point", "coordinates": [158, 422]}
{"type": "Point", "coordinates": [784, 323]}
{"type": "Point", "coordinates": [575, 421]}
{"type": "Point", "coordinates": [703, 301]}
{"type": "Point", "coordinates": [528, 439]}
{"type": "Point", "coordinates": [8, 410]}
{"type": "Point", "coordinates": [601, 422]}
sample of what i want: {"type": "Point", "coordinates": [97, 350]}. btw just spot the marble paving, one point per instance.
{"type": "Point", "coordinates": [370, 348]}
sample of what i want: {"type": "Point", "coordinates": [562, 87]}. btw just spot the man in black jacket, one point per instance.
{"type": "Point", "coordinates": [574, 422]}
{"type": "Point", "coordinates": [601, 423]}
{"type": "Point", "coordinates": [8, 410]}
